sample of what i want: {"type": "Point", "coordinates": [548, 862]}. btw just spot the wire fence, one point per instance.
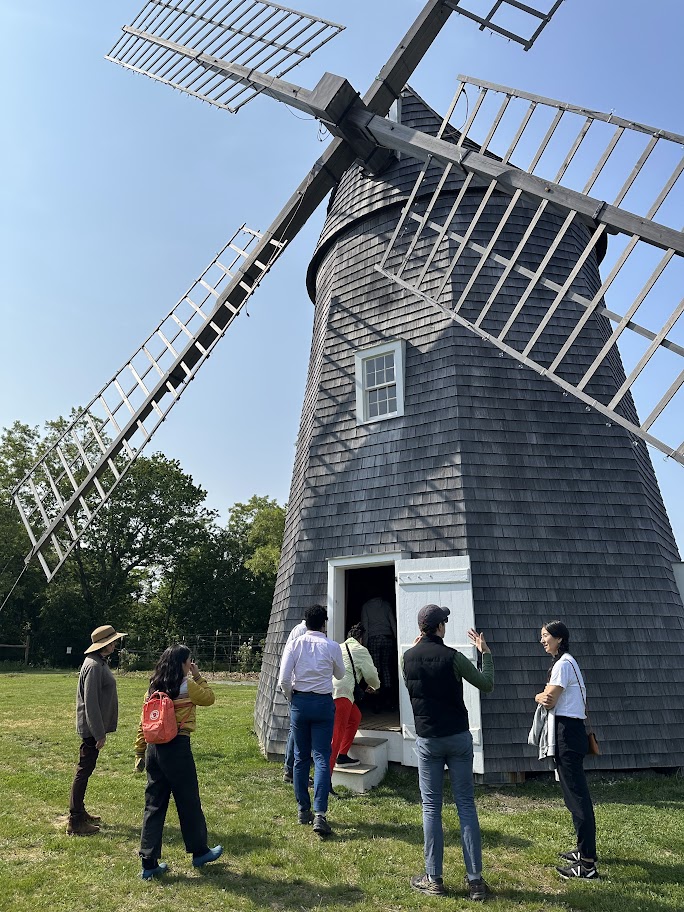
{"type": "Point", "coordinates": [215, 652]}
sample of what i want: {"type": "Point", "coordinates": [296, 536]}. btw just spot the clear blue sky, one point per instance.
{"type": "Point", "coordinates": [116, 192]}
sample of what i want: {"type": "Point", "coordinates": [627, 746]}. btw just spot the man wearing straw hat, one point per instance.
{"type": "Point", "coordinates": [97, 713]}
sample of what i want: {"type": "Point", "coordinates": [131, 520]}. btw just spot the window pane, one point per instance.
{"type": "Point", "coordinates": [389, 373]}
{"type": "Point", "coordinates": [372, 404]}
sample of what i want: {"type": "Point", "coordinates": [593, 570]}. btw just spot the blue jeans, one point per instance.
{"type": "Point", "coordinates": [456, 751]}
{"type": "Point", "coordinates": [312, 717]}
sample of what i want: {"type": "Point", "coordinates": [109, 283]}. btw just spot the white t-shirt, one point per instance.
{"type": "Point", "coordinates": [572, 700]}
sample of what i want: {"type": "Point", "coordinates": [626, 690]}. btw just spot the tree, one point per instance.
{"type": "Point", "coordinates": [154, 518]}
{"type": "Point", "coordinates": [227, 581]}
{"type": "Point", "coordinates": [153, 561]}
{"type": "Point", "coordinates": [19, 446]}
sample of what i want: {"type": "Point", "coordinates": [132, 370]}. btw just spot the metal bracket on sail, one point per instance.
{"type": "Point", "coordinates": [528, 312]}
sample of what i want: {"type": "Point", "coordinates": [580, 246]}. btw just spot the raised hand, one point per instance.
{"type": "Point", "coordinates": [478, 640]}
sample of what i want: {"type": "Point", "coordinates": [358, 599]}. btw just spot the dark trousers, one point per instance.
{"type": "Point", "coordinates": [171, 771]}
{"type": "Point", "coordinates": [571, 746]}
{"type": "Point", "coordinates": [383, 651]}
{"type": "Point", "coordinates": [87, 759]}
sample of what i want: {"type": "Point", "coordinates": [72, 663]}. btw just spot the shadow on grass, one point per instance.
{"type": "Point", "coordinates": [625, 890]}
{"type": "Point", "coordinates": [233, 844]}
{"type": "Point", "coordinates": [413, 834]}
{"type": "Point", "coordinates": [351, 832]}
{"type": "Point", "coordinates": [496, 839]}
{"type": "Point", "coordinates": [581, 896]}
{"type": "Point", "coordinates": [652, 873]}
{"type": "Point", "coordinates": [292, 894]}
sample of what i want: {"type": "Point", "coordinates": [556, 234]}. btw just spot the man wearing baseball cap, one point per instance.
{"type": "Point", "coordinates": [434, 675]}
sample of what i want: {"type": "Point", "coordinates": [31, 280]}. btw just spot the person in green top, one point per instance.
{"type": "Point", "coordinates": [434, 675]}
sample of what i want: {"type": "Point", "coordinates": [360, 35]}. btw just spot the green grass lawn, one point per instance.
{"type": "Point", "coordinates": [272, 863]}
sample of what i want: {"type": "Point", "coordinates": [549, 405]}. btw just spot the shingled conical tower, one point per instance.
{"type": "Point", "coordinates": [544, 507]}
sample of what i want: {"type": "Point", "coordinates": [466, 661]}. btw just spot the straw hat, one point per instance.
{"type": "Point", "coordinates": [102, 637]}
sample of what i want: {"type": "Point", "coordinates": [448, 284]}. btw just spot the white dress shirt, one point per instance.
{"type": "Point", "coordinates": [309, 664]}
{"type": "Point", "coordinates": [296, 632]}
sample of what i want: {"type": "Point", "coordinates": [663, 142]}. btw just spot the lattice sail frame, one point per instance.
{"type": "Point", "coordinates": [262, 36]}
{"type": "Point", "coordinates": [64, 491]}
{"type": "Point", "coordinates": [505, 16]}
{"type": "Point", "coordinates": [645, 272]}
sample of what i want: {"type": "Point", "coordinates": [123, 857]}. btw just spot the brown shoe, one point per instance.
{"type": "Point", "coordinates": [93, 818]}
{"type": "Point", "coordinates": [80, 826]}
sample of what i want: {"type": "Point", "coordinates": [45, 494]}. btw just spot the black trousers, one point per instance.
{"type": "Point", "coordinates": [87, 759]}
{"type": "Point", "coordinates": [571, 747]}
{"type": "Point", "coordinates": [171, 771]}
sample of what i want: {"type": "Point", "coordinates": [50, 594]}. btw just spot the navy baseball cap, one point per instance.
{"type": "Point", "coordinates": [432, 616]}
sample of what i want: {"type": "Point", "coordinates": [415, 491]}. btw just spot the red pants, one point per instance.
{"type": "Point", "coordinates": [347, 721]}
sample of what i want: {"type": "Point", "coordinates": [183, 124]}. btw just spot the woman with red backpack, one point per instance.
{"type": "Point", "coordinates": [170, 765]}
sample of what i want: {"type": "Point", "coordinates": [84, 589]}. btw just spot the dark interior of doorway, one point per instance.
{"type": "Point", "coordinates": [380, 712]}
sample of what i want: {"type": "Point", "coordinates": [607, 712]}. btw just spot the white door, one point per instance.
{"type": "Point", "coordinates": [440, 581]}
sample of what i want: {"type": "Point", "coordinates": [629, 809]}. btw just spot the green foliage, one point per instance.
{"type": "Point", "coordinates": [271, 863]}
{"type": "Point", "coordinates": [154, 561]}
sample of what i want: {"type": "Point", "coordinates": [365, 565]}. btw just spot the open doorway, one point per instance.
{"type": "Point", "coordinates": [370, 599]}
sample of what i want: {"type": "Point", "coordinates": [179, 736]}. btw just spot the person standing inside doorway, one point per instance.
{"type": "Point", "coordinates": [378, 618]}
{"type": "Point", "coordinates": [308, 666]}
{"type": "Point", "coordinates": [434, 675]}
{"type": "Point", "coordinates": [97, 714]}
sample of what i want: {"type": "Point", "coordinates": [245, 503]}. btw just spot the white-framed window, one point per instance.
{"type": "Point", "coordinates": [380, 382]}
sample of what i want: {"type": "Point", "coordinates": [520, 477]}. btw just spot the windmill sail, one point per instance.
{"type": "Point", "coordinates": [62, 493]}
{"type": "Point", "coordinates": [505, 16]}
{"type": "Point", "coordinates": [250, 33]}
{"type": "Point", "coordinates": [572, 153]}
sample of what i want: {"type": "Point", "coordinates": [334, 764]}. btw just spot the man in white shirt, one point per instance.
{"type": "Point", "coordinates": [288, 766]}
{"type": "Point", "coordinates": [309, 664]}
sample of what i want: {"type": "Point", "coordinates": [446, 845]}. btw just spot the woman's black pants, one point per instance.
{"type": "Point", "coordinates": [571, 747]}
{"type": "Point", "coordinates": [171, 771]}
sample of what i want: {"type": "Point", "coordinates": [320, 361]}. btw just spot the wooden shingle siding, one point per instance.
{"type": "Point", "coordinates": [558, 510]}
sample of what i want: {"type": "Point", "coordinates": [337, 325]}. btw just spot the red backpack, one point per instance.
{"type": "Point", "coordinates": [159, 725]}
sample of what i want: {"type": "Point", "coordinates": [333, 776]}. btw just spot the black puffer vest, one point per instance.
{"type": "Point", "coordinates": [436, 693]}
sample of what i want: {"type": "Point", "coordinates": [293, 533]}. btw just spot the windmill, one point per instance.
{"type": "Point", "coordinates": [448, 271]}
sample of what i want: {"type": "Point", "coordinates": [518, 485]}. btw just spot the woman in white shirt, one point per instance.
{"type": "Point", "coordinates": [566, 694]}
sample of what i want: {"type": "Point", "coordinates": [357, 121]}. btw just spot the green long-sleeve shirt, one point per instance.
{"type": "Point", "coordinates": [466, 671]}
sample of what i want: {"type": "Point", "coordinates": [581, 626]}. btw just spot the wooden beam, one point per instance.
{"type": "Point", "coordinates": [509, 179]}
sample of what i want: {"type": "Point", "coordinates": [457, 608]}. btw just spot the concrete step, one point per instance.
{"type": "Point", "coordinates": [359, 778]}
{"type": "Point", "coordinates": [372, 752]}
